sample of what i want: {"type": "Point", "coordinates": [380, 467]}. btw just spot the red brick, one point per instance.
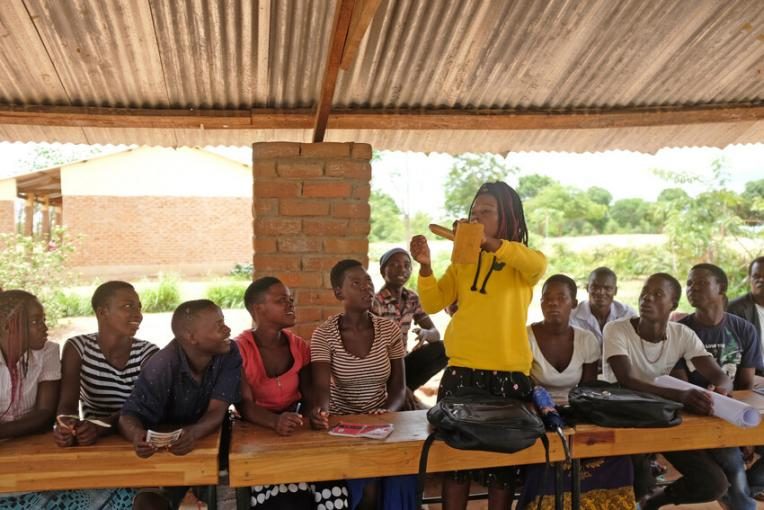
{"type": "Point", "coordinates": [271, 263]}
{"type": "Point", "coordinates": [299, 244]}
{"type": "Point", "coordinates": [325, 150]}
{"type": "Point", "coordinates": [328, 311]}
{"type": "Point", "coordinates": [346, 245]}
{"type": "Point", "coordinates": [361, 151]}
{"type": "Point", "coordinates": [275, 150]}
{"type": "Point", "coordinates": [269, 226]}
{"type": "Point", "coordinates": [182, 240]}
{"type": "Point", "coordinates": [358, 228]}
{"type": "Point", "coordinates": [263, 168]}
{"type": "Point", "coordinates": [349, 169]}
{"type": "Point", "coordinates": [318, 262]}
{"type": "Point", "coordinates": [265, 206]}
{"type": "Point", "coordinates": [331, 189]}
{"type": "Point", "coordinates": [276, 188]}
{"type": "Point", "coordinates": [302, 207]}
{"type": "Point", "coordinates": [7, 217]}
{"type": "Point", "coordinates": [311, 297]}
{"type": "Point", "coordinates": [350, 209]}
{"type": "Point", "coordinates": [299, 169]}
{"type": "Point", "coordinates": [324, 227]}
{"type": "Point", "coordinates": [265, 245]}
{"type": "Point", "coordinates": [301, 280]}
{"type": "Point", "coordinates": [308, 313]}
{"type": "Point", "coordinates": [362, 191]}
{"type": "Point", "coordinates": [305, 330]}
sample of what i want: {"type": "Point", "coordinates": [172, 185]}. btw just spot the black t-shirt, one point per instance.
{"type": "Point", "coordinates": [733, 343]}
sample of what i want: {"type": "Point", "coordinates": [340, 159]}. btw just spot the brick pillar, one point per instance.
{"type": "Point", "coordinates": [310, 209]}
{"type": "Point", "coordinates": [7, 209]}
{"type": "Point", "coordinates": [29, 216]}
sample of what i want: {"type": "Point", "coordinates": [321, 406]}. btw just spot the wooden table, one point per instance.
{"type": "Point", "coordinates": [35, 463]}
{"type": "Point", "coordinates": [694, 433]}
{"type": "Point", "coordinates": [259, 456]}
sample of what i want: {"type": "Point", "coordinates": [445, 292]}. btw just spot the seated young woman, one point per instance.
{"type": "Point", "coordinates": [275, 384]}
{"type": "Point", "coordinates": [30, 373]}
{"type": "Point", "coordinates": [357, 366]}
{"type": "Point", "coordinates": [565, 356]}
{"type": "Point", "coordinates": [100, 369]}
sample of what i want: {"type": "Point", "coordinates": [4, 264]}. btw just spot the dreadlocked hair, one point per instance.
{"type": "Point", "coordinates": [512, 225]}
{"type": "Point", "coordinates": [14, 324]}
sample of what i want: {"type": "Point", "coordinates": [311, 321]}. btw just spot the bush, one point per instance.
{"type": "Point", "coordinates": [37, 266]}
{"type": "Point", "coordinates": [73, 304]}
{"type": "Point", "coordinates": [164, 297]}
{"type": "Point", "coordinates": [227, 295]}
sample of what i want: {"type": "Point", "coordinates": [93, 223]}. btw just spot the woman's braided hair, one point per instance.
{"type": "Point", "coordinates": [14, 326]}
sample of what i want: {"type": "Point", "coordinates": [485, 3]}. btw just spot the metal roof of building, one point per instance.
{"type": "Point", "coordinates": [560, 75]}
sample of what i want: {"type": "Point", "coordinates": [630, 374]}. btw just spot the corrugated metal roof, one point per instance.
{"type": "Point", "coordinates": [470, 54]}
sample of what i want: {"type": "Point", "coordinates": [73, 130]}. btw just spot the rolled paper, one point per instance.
{"type": "Point", "coordinates": [734, 411]}
{"type": "Point", "coordinates": [469, 237]}
{"type": "Point", "coordinates": [442, 231]}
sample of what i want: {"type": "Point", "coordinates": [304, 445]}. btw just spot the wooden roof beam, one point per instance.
{"type": "Point", "coordinates": [362, 119]}
{"type": "Point", "coordinates": [363, 13]}
{"type": "Point", "coordinates": [342, 17]}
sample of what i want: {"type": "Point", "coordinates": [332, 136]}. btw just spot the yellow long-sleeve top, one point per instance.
{"type": "Point", "coordinates": [488, 330]}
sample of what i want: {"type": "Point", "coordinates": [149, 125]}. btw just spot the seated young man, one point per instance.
{"type": "Point", "coordinates": [594, 313]}
{"type": "Point", "coordinates": [401, 305]}
{"type": "Point", "coordinates": [189, 384]}
{"type": "Point", "coordinates": [734, 344]}
{"type": "Point", "coordinates": [638, 350]}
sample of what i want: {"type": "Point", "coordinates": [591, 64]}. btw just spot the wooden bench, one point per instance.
{"type": "Point", "coordinates": [35, 463]}
{"type": "Point", "coordinates": [259, 456]}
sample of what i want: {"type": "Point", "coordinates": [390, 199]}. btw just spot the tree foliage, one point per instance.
{"type": "Point", "coordinates": [386, 218]}
{"type": "Point", "coordinates": [467, 174]}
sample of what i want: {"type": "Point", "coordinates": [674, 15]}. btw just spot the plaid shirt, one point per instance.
{"type": "Point", "coordinates": [403, 312]}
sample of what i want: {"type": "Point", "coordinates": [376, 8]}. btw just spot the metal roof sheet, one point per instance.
{"type": "Point", "coordinates": [466, 55]}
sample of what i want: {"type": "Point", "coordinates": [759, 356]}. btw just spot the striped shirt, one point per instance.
{"type": "Point", "coordinates": [358, 385]}
{"type": "Point", "coordinates": [104, 388]}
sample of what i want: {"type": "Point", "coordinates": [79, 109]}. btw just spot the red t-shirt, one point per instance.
{"type": "Point", "coordinates": [276, 394]}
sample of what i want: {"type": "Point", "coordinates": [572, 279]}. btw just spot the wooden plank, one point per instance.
{"type": "Point", "coordinates": [260, 456]}
{"type": "Point", "coordinates": [35, 463]}
{"type": "Point", "coordinates": [362, 15]}
{"type": "Point", "coordinates": [342, 16]}
{"type": "Point", "coordinates": [694, 433]}
{"type": "Point", "coordinates": [501, 120]}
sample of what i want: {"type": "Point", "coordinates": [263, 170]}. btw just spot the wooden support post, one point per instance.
{"type": "Point", "coordinates": [29, 216]}
{"type": "Point", "coordinates": [46, 218]}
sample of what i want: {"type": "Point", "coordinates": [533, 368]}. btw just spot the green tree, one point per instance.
{"type": "Point", "coordinates": [752, 210]}
{"type": "Point", "coordinates": [467, 174]}
{"type": "Point", "coordinates": [599, 195]}
{"type": "Point", "coordinates": [564, 210]}
{"type": "Point", "coordinates": [673, 195]}
{"type": "Point", "coordinates": [528, 186]}
{"type": "Point", "coordinates": [386, 218]}
{"type": "Point", "coordinates": [633, 215]}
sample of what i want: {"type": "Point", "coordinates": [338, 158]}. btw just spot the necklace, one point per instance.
{"type": "Point", "coordinates": [642, 341]}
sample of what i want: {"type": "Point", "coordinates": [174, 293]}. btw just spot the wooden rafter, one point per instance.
{"type": "Point", "coordinates": [342, 17]}
{"type": "Point", "coordinates": [363, 13]}
{"type": "Point", "coordinates": [362, 119]}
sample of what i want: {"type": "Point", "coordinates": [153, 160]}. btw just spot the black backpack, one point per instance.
{"type": "Point", "coordinates": [610, 405]}
{"type": "Point", "coordinates": [475, 420]}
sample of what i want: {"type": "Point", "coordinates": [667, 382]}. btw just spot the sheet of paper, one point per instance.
{"type": "Point", "coordinates": [162, 439]}
{"type": "Point", "coordinates": [734, 411]}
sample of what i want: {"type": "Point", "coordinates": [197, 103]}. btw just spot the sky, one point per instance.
{"type": "Point", "coordinates": [625, 174]}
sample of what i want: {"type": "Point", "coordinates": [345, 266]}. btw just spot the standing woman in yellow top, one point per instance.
{"type": "Point", "coordinates": [486, 341]}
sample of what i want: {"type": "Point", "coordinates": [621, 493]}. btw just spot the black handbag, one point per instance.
{"type": "Point", "coordinates": [610, 405]}
{"type": "Point", "coordinates": [478, 421]}
{"type": "Point", "coordinates": [475, 420]}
